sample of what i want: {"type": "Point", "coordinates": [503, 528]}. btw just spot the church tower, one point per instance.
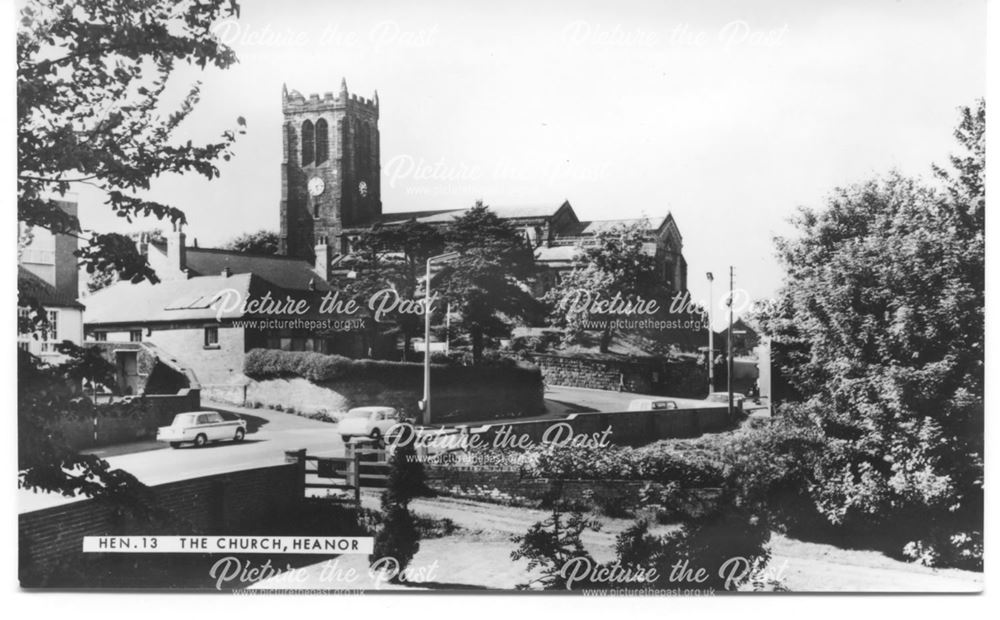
{"type": "Point", "coordinates": [329, 171]}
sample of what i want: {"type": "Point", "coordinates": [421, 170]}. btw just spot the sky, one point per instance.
{"type": "Point", "coordinates": [728, 114]}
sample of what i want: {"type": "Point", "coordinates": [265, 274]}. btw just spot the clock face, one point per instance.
{"type": "Point", "coordinates": [363, 188]}
{"type": "Point", "coordinates": [316, 186]}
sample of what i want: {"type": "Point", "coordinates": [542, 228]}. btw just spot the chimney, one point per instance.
{"type": "Point", "coordinates": [176, 251]}
{"type": "Point", "coordinates": [66, 273]}
{"type": "Point", "coordinates": [324, 256]}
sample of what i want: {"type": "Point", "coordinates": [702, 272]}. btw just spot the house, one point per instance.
{"type": "Point", "coordinates": [47, 271]}
{"type": "Point", "coordinates": [63, 314]}
{"type": "Point", "coordinates": [197, 314]}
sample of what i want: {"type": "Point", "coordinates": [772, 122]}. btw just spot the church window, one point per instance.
{"type": "Point", "coordinates": [322, 142]}
{"type": "Point", "coordinates": [308, 143]}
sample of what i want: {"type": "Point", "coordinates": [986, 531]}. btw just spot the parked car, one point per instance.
{"type": "Point", "coordinates": [371, 422]}
{"type": "Point", "coordinates": [650, 404]}
{"type": "Point", "coordinates": [201, 427]}
{"type": "Point", "coordinates": [723, 398]}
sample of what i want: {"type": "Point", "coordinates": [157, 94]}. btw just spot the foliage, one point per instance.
{"type": "Point", "coordinates": [392, 257]}
{"type": "Point", "coordinates": [737, 525]}
{"type": "Point", "coordinates": [486, 284]}
{"type": "Point", "coordinates": [91, 79]}
{"type": "Point", "coordinates": [728, 546]}
{"type": "Point", "coordinates": [101, 278]}
{"type": "Point", "coordinates": [261, 242]}
{"type": "Point", "coordinates": [616, 265]}
{"type": "Point", "coordinates": [318, 367]}
{"type": "Point", "coordinates": [663, 462]}
{"type": "Point", "coordinates": [882, 315]}
{"type": "Point", "coordinates": [398, 535]}
{"type": "Point", "coordinates": [47, 396]}
{"type": "Point", "coordinates": [548, 545]}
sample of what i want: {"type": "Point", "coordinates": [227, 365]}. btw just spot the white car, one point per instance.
{"type": "Point", "coordinates": [723, 397]}
{"type": "Point", "coordinates": [651, 404]}
{"type": "Point", "coordinates": [373, 422]}
{"type": "Point", "coordinates": [201, 427]}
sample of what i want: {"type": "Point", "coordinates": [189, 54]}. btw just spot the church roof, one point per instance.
{"type": "Point", "coordinates": [597, 226]}
{"type": "Point", "coordinates": [508, 212]}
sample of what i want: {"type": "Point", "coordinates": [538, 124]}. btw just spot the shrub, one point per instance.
{"type": "Point", "coordinates": [398, 536]}
{"type": "Point", "coordinates": [320, 368]}
{"type": "Point", "coordinates": [548, 545]}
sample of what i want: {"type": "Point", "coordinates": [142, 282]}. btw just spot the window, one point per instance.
{"type": "Point", "coordinates": [322, 142]}
{"type": "Point", "coordinates": [135, 335]}
{"type": "Point", "coordinates": [212, 337]}
{"type": "Point", "coordinates": [308, 143]}
{"type": "Point", "coordinates": [24, 345]}
{"type": "Point", "coordinates": [51, 331]}
{"type": "Point", "coordinates": [101, 336]}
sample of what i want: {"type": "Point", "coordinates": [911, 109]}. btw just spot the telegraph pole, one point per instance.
{"type": "Point", "coordinates": [729, 345]}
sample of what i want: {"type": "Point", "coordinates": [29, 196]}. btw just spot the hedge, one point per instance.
{"type": "Point", "coordinates": [320, 368]}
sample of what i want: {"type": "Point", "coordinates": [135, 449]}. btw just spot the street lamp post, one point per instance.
{"type": "Point", "coordinates": [729, 345]}
{"type": "Point", "coordinates": [711, 344]}
{"type": "Point", "coordinates": [426, 408]}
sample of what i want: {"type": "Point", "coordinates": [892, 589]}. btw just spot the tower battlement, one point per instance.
{"type": "Point", "coordinates": [293, 100]}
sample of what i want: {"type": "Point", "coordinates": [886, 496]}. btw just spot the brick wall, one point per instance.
{"type": "Point", "coordinates": [220, 504]}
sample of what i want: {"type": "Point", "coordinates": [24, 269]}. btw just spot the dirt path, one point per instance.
{"type": "Point", "coordinates": [481, 554]}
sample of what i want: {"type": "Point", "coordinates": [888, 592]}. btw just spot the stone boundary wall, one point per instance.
{"type": "Point", "coordinates": [600, 374]}
{"type": "Point", "coordinates": [219, 504]}
{"type": "Point", "coordinates": [683, 378]}
{"type": "Point", "coordinates": [633, 428]}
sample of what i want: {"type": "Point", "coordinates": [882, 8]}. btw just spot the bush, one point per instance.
{"type": "Point", "coordinates": [398, 535]}
{"type": "Point", "coordinates": [320, 368]}
{"type": "Point", "coordinates": [550, 544]}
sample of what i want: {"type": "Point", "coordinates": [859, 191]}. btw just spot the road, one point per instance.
{"type": "Point", "coordinates": [155, 463]}
{"type": "Point", "coordinates": [273, 433]}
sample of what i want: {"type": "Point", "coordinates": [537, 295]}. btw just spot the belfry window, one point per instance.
{"type": "Point", "coordinates": [322, 142]}
{"type": "Point", "coordinates": [308, 143]}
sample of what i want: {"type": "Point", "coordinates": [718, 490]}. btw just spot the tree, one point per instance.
{"type": "Point", "coordinates": [882, 309]}
{"type": "Point", "coordinates": [103, 278]}
{"type": "Point", "coordinates": [392, 257]}
{"type": "Point", "coordinates": [398, 537]}
{"type": "Point", "coordinates": [616, 266]}
{"type": "Point", "coordinates": [550, 544]}
{"type": "Point", "coordinates": [260, 242]}
{"type": "Point", "coordinates": [49, 396]}
{"type": "Point", "coordinates": [90, 78]}
{"type": "Point", "coordinates": [486, 284]}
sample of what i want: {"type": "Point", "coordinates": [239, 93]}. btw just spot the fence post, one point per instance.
{"type": "Point", "coordinates": [357, 479]}
{"type": "Point", "coordinates": [299, 458]}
